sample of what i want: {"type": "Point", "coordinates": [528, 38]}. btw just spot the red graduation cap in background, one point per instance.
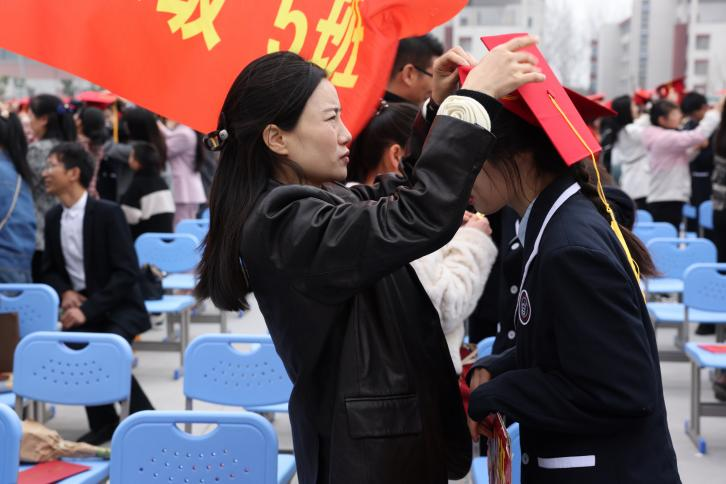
{"type": "Point", "coordinates": [676, 85]}
{"type": "Point", "coordinates": [550, 106]}
{"type": "Point", "coordinates": [642, 96]}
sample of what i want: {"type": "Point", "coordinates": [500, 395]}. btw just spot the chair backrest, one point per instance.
{"type": "Point", "coordinates": [198, 227]}
{"type": "Point", "coordinates": [689, 211]}
{"type": "Point", "coordinates": [643, 216]}
{"type": "Point", "coordinates": [46, 369]}
{"type": "Point", "coordinates": [705, 215]}
{"type": "Point", "coordinates": [36, 305]}
{"type": "Point", "coordinates": [672, 256]}
{"type": "Point", "coordinates": [149, 447]}
{"type": "Point", "coordinates": [169, 252]}
{"type": "Point", "coordinates": [516, 453]}
{"type": "Point", "coordinates": [651, 230]}
{"type": "Point", "coordinates": [704, 287]}
{"type": "Point", "coordinates": [205, 213]}
{"type": "Point", "coordinates": [11, 432]}
{"type": "Point", "coordinates": [215, 371]}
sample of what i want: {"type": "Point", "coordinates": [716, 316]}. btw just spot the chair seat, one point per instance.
{"type": "Point", "coordinates": [170, 304]}
{"type": "Point", "coordinates": [664, 285]}
{"type": "Point", "coordinates": [179, 281]}
{"type": "Point", "coordinates": [479, 471]}
{"type": "Point", "coordinates": [276, 408]}
{"type": "Point", "coordinates": [285, 468]}
{"type": "Point", "coordinates": [98, 471]}
{"type": "Point", "coordinates": [691, 235]}
{"type": "Point", "coordinates": [705, 358]}
{"type": "Point", "coordinates": [672, 313]}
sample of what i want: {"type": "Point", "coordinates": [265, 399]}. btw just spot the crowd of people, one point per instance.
{"type": "Point", "coordinates": [373, 259]}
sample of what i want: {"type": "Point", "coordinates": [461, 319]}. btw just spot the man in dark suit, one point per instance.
{"type": "Point", "coordinates": [90, 261]}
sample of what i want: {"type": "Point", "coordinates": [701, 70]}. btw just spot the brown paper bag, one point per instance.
{"type": "Point", "coordinates": [40, 444]}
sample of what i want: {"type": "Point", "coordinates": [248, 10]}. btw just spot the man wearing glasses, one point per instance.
{"type": "Point", "coordinates": [411, 78]}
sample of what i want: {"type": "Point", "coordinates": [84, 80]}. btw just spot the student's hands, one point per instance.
{"type": "Point", "coordinates": [446, 73]}
{"type": "Point", "coordinates": [479, 222]}
{"type": "Point", "coordinates": [72, 299]}
{"type": "Point", "coordinates": [504, 69]}
{"type": "Point", "coordinates": [484, 428]}
{"type": "Point", "coordinates": [72, 317]}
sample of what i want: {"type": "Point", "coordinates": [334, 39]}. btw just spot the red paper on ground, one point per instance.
{"type": "Point", "coordinates": [50, 472]}
{"type": "Point", "coordinates": [713, 348]}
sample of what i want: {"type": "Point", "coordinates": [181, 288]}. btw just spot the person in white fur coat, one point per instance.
{"type": "Point", "coordinates": [454, 278]}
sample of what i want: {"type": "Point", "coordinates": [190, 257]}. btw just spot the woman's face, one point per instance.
{"type": "Point", "coordinates": [672, 120]}
{"type": "Point", "coordinates": [37, 124]}
{"type": "Point", "coordinates": [318, 144]}
{"type": "Point", "coordinates": [490, 192]}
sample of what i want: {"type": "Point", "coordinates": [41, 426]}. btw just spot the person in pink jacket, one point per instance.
{"type": "Point", "coordinates": [670, 152]}
{"type": "Point", "coordinates": [182, 155]}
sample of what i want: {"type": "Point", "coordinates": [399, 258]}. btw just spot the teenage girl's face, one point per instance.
{"type": "Point", "coordinates": [673, 120]}
{"type": "Point", "coordinates": [318, 144]}
{"type": "Point", "coordinates": [490, 192]}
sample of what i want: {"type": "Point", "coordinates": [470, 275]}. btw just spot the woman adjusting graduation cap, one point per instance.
{"type": "Point", "coordinates": [583, 380]}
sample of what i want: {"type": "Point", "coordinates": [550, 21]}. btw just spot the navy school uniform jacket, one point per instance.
{"type": "Point", "coordinates": [584, 379]}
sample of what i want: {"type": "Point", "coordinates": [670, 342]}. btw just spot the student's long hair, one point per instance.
{"type": "Point", "coordinates": [516, 137]}
{"type": "Point", "coordinates": [719, 145]}
{"type": "Point", "coordinates": [93, 125]}
{"type": "Point", "coordinates": [273, 89]}
{"type": "Point", "coordinates": [392, 124]}
{"type": "Point", "coordinates": [622, 105]}
{"type": "Point", "coordinates": [15, 145]}
{"type": "Point", "coordinates": [140, 125]}
{"type": "Point", "coordinates": [60, 125]}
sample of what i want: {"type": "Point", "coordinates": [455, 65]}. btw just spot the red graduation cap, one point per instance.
{"type": "Point", "coordinates": [597, 97]}
{"type": "Point", "coordinates": [642, 96]}
{"type": "Point", "coordinates": [550, 106]}
{"type": "Point", "coordinates": [675, 85]}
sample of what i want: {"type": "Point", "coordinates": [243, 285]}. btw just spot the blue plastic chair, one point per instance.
{"type": "Point", "coordinates": [702, 358]}
{"type": "Point", "coordinates": [197, 227]}
{"type": "Point", "coordinates": [705, 216]}
{"type": "Point", "coordinates": [672, 256]}
{"type": "Point", "coordinates": [479, 471]}
{"type": "Point", "coordinates": [690, 212]}
{"type": "Point", "coordinates": [647, 231]}
{"type": "Point", "coordinates": [643, 216]}
{"type": "Point", "coordinates": [11, 432]}
{"type": "Point", "coordinates": [169, 252]}
{"type": "Point", "coordinates": [217, 372]}
{"type": "Point", "coordinates": [149, 447]}
{"type": "Point", "coordinates": [205, 213]}
{"type": "Point", "coordinates": [485, 346]}
{"type": "Point", "coordinates": [36, 305]}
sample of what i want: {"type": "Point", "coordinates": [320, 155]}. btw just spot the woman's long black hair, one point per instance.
{"type": "Point", "coordinates": [273, 89]}
{"type": "Point", "coordinates": [60, 125]}
{"type": "Point", "coordinates": [13, 141]}
{"type": "Point", "coordinates": [515, 137]}
{"type": "Point", "coordinates": [140, 125]}
{"type": "Point", "coordinates": [622, 105]}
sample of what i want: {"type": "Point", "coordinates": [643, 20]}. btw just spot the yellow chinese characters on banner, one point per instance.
{"type": "Point", "coordinates": [203, 24]}
{"type": "Point", "coordinates": [341, 33]}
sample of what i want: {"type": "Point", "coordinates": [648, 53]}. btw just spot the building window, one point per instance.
{"type": "Point", "coordinates": [700, 88]}
{"type": "Point", "coordinates": [464, 21]}
{"type": "Point", "coordinates": [703, 42]}
{"type": "Point", "coordinates": [465, 43]}
{"type": "Point", "coordinates": [700, 68]}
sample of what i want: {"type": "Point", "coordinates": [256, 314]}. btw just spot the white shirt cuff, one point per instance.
{"type": "Point", "coordinates": [466, 109]}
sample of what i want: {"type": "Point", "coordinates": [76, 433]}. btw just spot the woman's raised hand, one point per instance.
{"type": "Point", "coordinates": [504, 69]}
{"type": "Point", "coordinates": [446, 72]}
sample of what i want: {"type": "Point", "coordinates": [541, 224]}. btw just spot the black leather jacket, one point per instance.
{"type": "Point", "coordinates": [375, 396]}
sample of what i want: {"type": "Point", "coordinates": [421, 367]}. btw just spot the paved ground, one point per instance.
{"type": "Point", "coordinates": [155, 374]}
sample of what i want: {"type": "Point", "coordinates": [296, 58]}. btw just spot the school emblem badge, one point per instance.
{"type": "Point", "coordinates": [524, 308]}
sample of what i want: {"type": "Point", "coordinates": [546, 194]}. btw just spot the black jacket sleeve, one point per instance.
{"type": "Point", "coordinates": [53, 275]}
{"type": "Point", "coordinates": [496, 364]}
{"type": "Point", "coordinates": [607, 375]}
{"type": "Point", "coordinates": [331, 250]}
{"type": "Point", "coordinates": [124, 263]}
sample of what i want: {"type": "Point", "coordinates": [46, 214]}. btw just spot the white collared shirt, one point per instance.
{"type": "Point", "coordinates": [522, 226]}
{"type": "Point", "coordinates": [71, 231]}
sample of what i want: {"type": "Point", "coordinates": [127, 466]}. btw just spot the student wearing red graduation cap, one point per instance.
{"type": "Point", "coordinates": [583, 380]}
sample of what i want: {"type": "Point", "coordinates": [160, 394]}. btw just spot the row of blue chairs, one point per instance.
{"type": "Point", "coordinates": [703, 214]}
{"type": "Point", "coordinates": [96, 370]}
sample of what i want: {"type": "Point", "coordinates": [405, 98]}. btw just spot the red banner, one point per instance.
{"type": "Point", "coordinates": [179, 57]}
